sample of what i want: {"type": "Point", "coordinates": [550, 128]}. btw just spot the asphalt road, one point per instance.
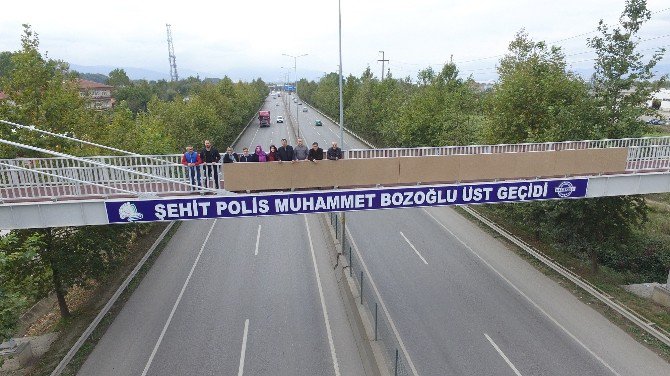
{"type": "Point", "coordinates": [459, 306]}
{"type": "Point", "coordinates": [284, 106]}
{"type": "Point", "coordinates": [253, 296]}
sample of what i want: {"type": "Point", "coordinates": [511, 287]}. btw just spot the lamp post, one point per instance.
{"type": "Point", "coordinates": [339, 21]}
{"type": "Point", "coordinates": [295, 67]}
{"type": "Point", "coordinates": [288, 81]}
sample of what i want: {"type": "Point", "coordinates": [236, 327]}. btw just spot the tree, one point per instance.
{"type": "Point", "coordinates": [622, 81]}
{"type": "Point", "coordinates": [43, 94]}
{"type": "Point", "coordinates": [536, 99]}
{"type": "Point", "coordinates": [436, 113]}
{"type": "Point", "coordinates": [118, 78]}
{"type": "Point", "coordinates": [5, 63]}
{"type": "Point", "coordinates": [66, 256]}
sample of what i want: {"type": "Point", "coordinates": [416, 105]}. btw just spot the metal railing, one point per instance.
{"type": "Point", "coordinates": [39, 178]}
{"type": "Point", "coordinates": [508, 148]}
{"type": "Point", "coordinates": [53, 178]}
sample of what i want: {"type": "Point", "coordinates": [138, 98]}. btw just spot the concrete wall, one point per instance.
{"type": "Point", "coordinates": [422, 170]}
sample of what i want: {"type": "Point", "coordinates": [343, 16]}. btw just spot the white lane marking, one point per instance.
{"type": "Point", "coordinates": [414, 248]}
{"type": "Point", "coordinates": [244, 347]}
{"type": "Point", "coordinates": [174, 307]}
{"type": "Point", "coordinates": [386, 311]}
{"type": "Point", "coordinates": [323, 303]}
{"type": "Point", "coordinates": [258, 239]}
{"type": "Point", "coordinates": [509, 363]}
{"type": "Point", "coordinates": [335, 133]}
{"type": "Point", "coordinates": [253, 138]}
{"type": "Point", "coordinates": [545, 313]}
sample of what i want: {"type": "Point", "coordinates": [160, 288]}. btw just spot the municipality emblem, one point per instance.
{"type": "Point", "coordinates": [565, 189]}
{"type": "Point", "coordinates": [129, 210]}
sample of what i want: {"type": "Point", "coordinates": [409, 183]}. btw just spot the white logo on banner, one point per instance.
{"type": "Point", "coordinates": [565, 189]}
{"type": "Point", "coordinates": [129, 210]}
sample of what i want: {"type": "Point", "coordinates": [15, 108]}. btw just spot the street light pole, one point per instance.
{"type": "Point", "coordinates": [339, 21]}
{"type": "Point", "coordinates": [295, 67]}
{"type": "Point", "coordinates": [288, 82]}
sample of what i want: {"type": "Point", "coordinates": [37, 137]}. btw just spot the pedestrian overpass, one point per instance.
{"type": "Point", "coordinates": [65, 190]}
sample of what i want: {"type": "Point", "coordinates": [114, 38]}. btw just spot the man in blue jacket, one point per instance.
{"type": "Point", "coordinates": [192, 161]}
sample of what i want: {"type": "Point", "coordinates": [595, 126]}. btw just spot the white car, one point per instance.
{"type": "Point", "coordinates": [280, 119]}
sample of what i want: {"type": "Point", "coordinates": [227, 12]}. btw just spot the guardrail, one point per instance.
{"type": "Point", "coordinates": [508, 148]}
{"type": "Point", "coordinates": [394, 353]}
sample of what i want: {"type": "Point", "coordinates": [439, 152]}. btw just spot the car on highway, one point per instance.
{"type": "Point", "coordinates": [318, 123]}
{"type": "Point", "coordinates": [299, 103]}
{"type": "Point", "coordinates": [655, 122]}
{"type": "Point", "coordinates": [280, 119]}
{"type": "Point", "coordinates": [304, 109]}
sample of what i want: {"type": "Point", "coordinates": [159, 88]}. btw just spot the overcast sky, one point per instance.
{"type": "Point", "coordinates": [227, 37]}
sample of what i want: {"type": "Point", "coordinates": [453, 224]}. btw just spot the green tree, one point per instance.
{"type": "Point", "coordinates": [43, 94]}
{"type": "Point", "coordinates": [622, 81]}
{"type": "Point", "coordinates": [536, 99]}
{"type": "Point", "coordinates": [326, 95]}
{"type": "Point", "coordinates": [5, 63]}
{"type": "Point", "coordinates": [67, 255]}
{"type": "Point", "coordinates": [438, 111]}
{"type": "Point", "coordinates": [118, 78]}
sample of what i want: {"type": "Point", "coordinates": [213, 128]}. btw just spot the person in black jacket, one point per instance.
{"type": "Point", "coordinates": [246, 157]}
{"type": "Point", "coordinates": [211, 157]}
{"type": "Point", "coordinates": [335, 153]}
{"type": "Point", "coordinates": [315, 153]}
{"type": "Point", "coordinates": [285, 151]}
{"type": "Point", "coordinates": [230, 156]}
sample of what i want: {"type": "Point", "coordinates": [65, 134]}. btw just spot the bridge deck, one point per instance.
{"type": "Point", "coordinates": [60, 179]}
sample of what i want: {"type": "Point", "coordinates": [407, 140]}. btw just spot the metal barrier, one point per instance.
{"type": "Point", "coordinates": [39, 178]}
{"type": "Point", "coordinates": [383, 333]}
{"type": "Point", "coordinates": [508, 148]}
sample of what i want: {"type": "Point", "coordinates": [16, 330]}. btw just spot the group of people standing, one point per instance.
{"type": "Point", "coordinates": [211, 157]}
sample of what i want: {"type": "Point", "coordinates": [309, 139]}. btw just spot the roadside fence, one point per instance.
{"type": "Point", "coordinates": [367, 298]}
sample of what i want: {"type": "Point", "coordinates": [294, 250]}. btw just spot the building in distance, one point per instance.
{"type": "Point", "coordinates": [99, 95]}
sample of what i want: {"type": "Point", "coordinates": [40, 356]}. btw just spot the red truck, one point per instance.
{"type": "Point", "coordinates": [264, 118]}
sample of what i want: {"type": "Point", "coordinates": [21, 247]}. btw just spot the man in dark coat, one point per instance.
{"type": "Point", "coordinates": [285, 151]}
{"type": "Point", "coordinates": [335, 153]}
{"type": "Point", "coordinates": [246, 157]}
{"type": "Point", "coordinates": [315, 153]}
{"type": "Point", "coordinates": [230, 156]}
{"type": "Point", "coordinates": [211, 157]}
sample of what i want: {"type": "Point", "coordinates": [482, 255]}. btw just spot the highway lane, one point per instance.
{"type": "Point", "coordinates": [192, 310]}
{"type": "Point", "coordinates": [479, 309]}
{"type": "Point", "coordinates": [271, 286]}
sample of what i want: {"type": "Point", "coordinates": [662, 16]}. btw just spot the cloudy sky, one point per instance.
{"type": "Point", "coordinates": [245, 37]}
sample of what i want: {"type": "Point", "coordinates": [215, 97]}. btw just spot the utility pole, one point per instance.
{"type": "Point", "coordinates": [174, 76]}
{"type": "Point", "coordinates": [339, 27]}
{"type": "Point", "coordinates": [382, 60]}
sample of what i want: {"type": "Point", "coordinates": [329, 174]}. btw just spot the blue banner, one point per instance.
{"type": "Point", "coordinates": [251, 205]}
